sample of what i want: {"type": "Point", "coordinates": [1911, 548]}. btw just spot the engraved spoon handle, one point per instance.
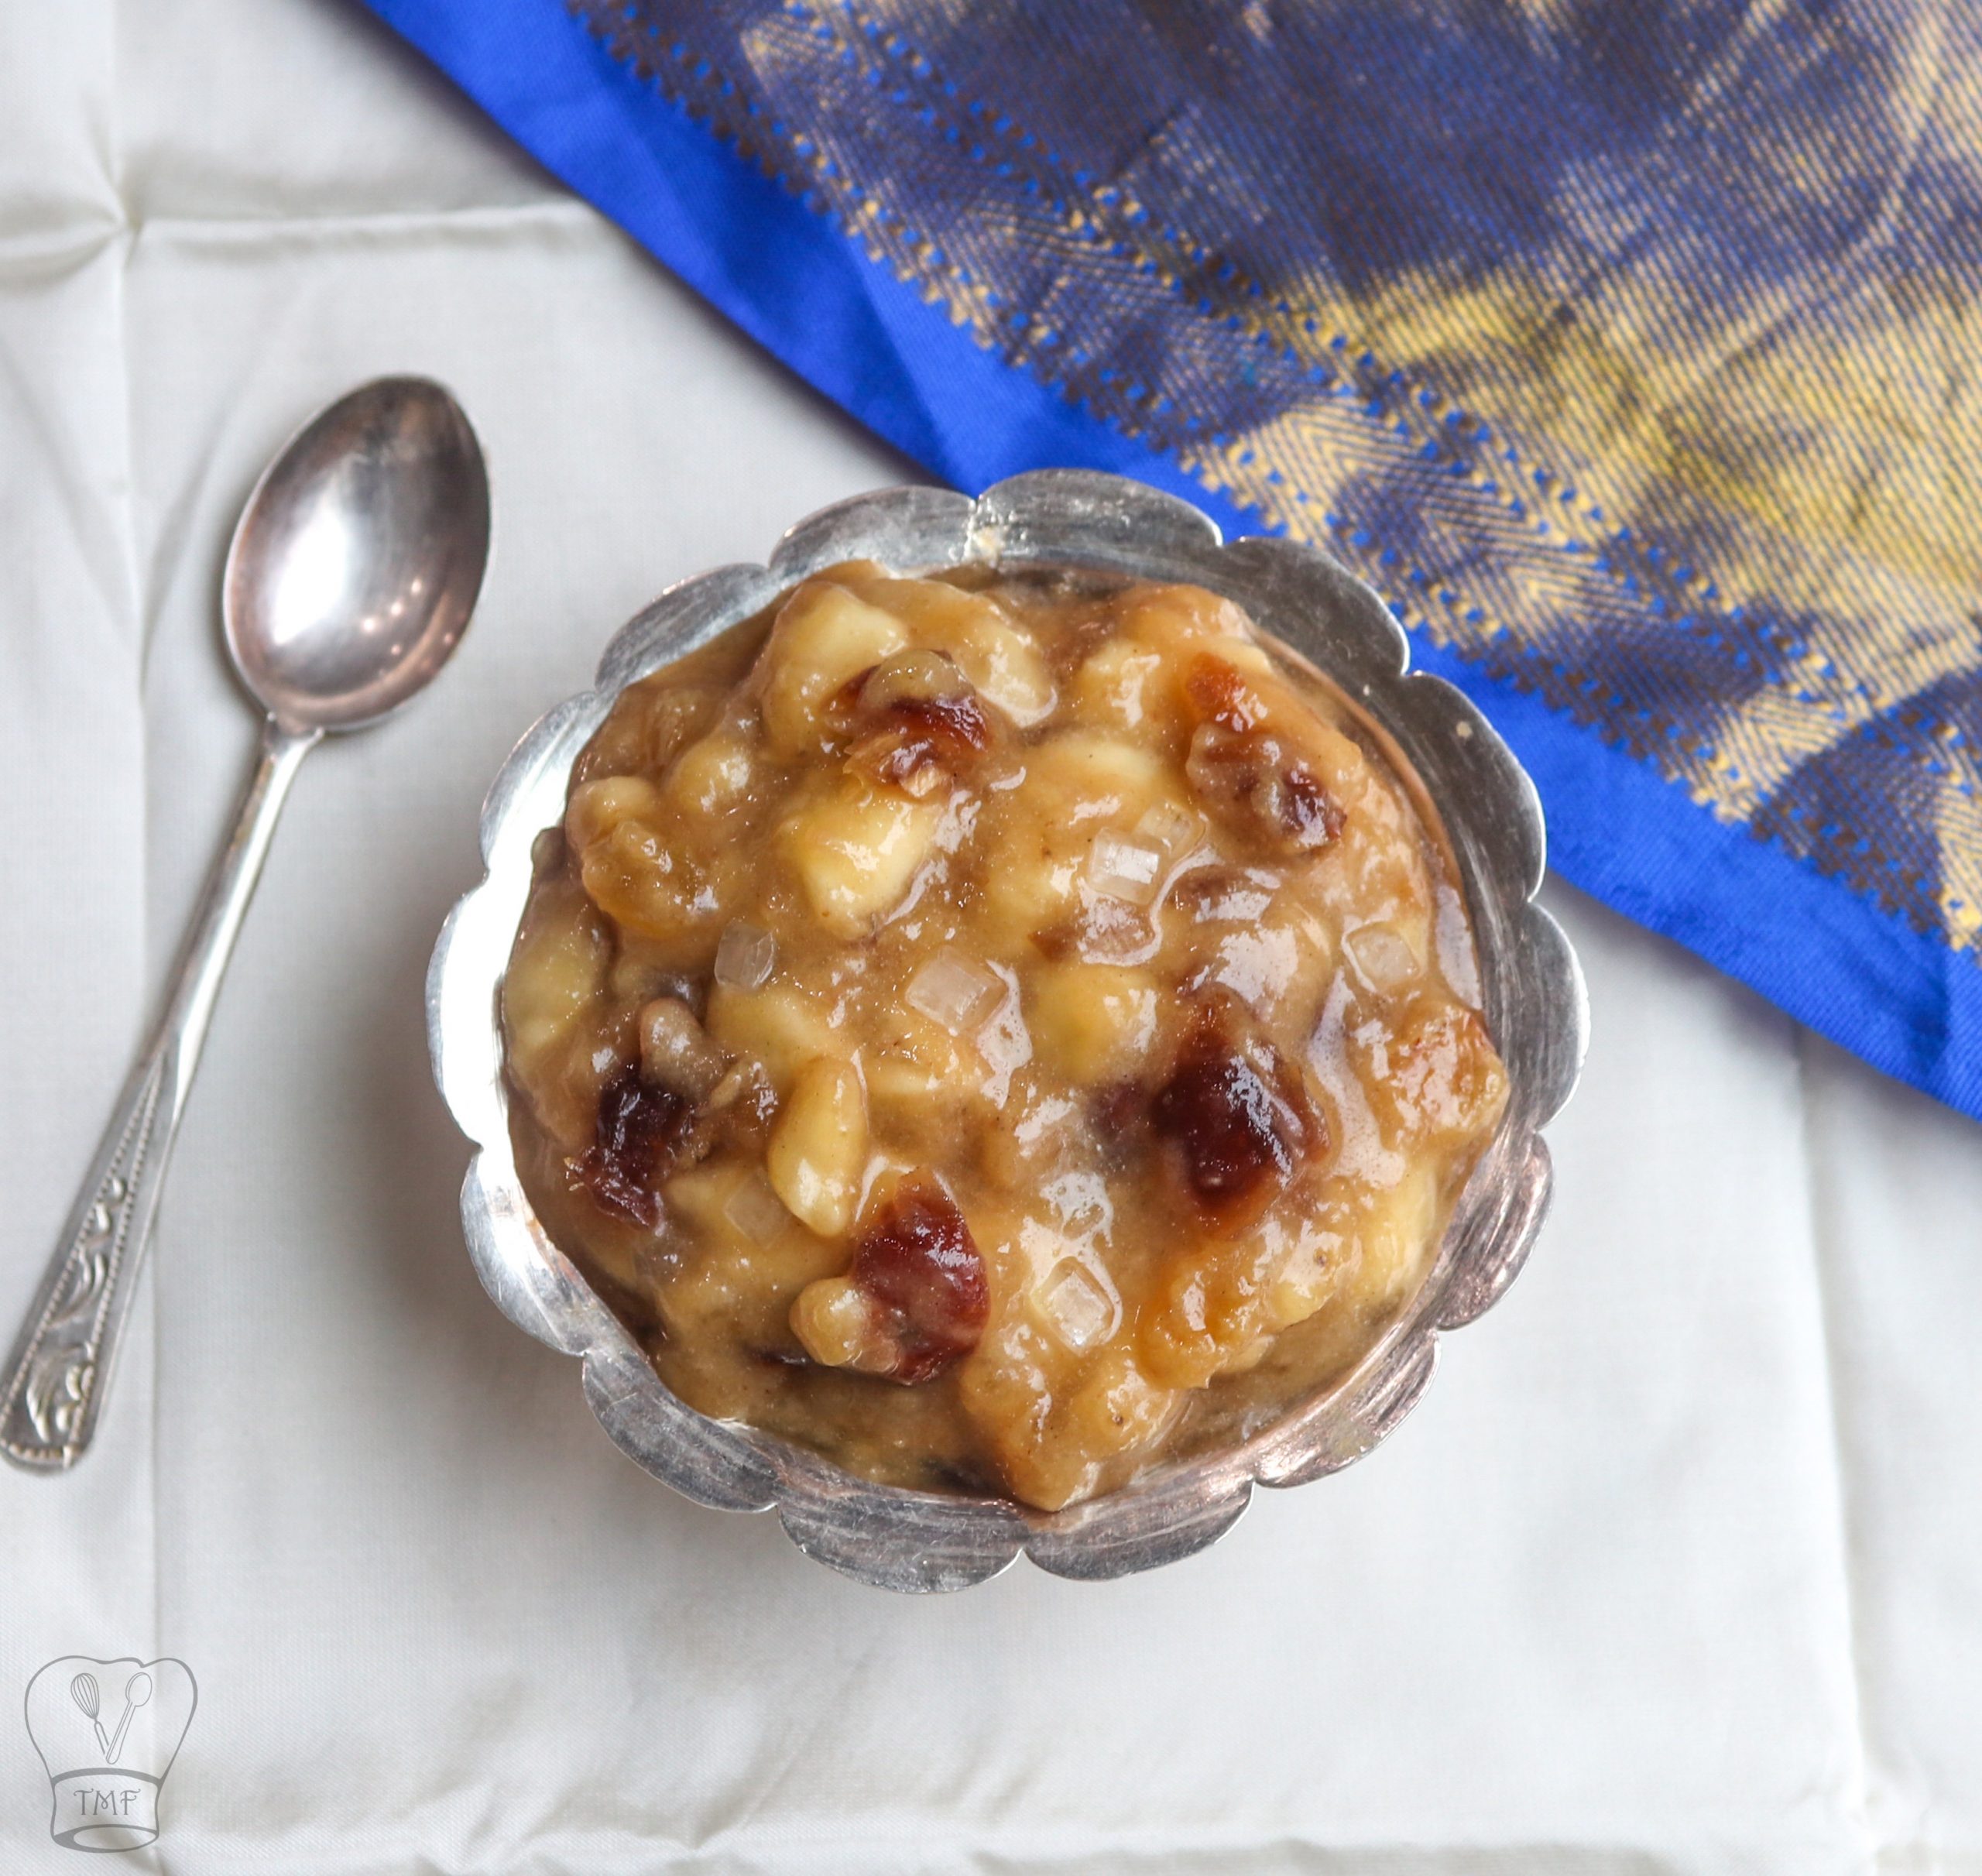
{"type": "Point", "coordinates": [54, 1383]}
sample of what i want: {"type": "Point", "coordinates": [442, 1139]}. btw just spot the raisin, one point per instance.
{"type": "Point", "coordinates": [838, 708]}
{"type": "Point", "coordinates": [1435, 1076]}
{"type": "Point", "coordinates": [1217, 694]}
{"type": "Point", "coordinates": [642, 1132]}
{"type": "Point", "coordinates": [1222, 895]}
{"type": "Point", "coordinates": [1237, 1120]}
{"type": "Point", "coordinates": [917, 1260]}
{"type": "Point", "coordinates": [1107, 929]}
{"type": "Point", "coordinates": [1309, 815]}
{"type": "Point", "coordinates": [892, 759]}
{"type": "Point", "coordinates": [922, 720]}
{"type": "Point", "coordinates": [1255, 780]}
{"type": "Point", "coordinates": [956, 725]}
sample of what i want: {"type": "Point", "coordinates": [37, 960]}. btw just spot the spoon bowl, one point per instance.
{"type": "Point", "coordinates": [356, 563]}
{"type": "Point", "coordinates": [137, 1692]}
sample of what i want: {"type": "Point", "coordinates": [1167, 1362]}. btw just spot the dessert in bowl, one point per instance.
{"type": "Point", "coordinates": [1010, 1029]}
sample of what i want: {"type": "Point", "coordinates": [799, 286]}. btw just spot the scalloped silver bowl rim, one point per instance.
{"type": "Point", "coordinates": [1531, 985]}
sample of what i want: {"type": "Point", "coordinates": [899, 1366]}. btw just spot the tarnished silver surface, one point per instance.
{"type": "Point", "coordinates": [1532, 992]}
{"type": "Point", "coordinates": [350, 577]}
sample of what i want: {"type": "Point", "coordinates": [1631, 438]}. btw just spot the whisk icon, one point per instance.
{"type": "Point", "coordinates": [86, 1694]}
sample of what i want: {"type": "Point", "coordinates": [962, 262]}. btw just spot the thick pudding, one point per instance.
{"type": "Point", "coordinates": [965, 1025]}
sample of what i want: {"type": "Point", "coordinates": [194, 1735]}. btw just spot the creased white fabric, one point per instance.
{"type": "Point", "coordinates": [1675, 1570]}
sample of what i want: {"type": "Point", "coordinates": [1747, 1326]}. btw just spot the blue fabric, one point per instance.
{"type": "Point", "coordinates": [1611, 344]}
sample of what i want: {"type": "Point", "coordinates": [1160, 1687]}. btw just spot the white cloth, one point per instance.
{"type": "Point", "coordinates": [1675, 1569]}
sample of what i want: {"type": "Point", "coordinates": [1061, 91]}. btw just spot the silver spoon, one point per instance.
{"type": "Point", "coordinates": [351, 577]}
{"type": "Point", "coordinates": [137, 1691]}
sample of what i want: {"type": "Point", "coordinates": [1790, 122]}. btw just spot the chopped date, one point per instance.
{"type": "Point", "coordinates": [1238, 1121]}
{"type": "Point", "coordinates": [643, 1133]}
{"type": "Point", "coordinates": [917, 1262]}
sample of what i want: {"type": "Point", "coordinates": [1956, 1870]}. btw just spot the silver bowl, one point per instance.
{"type": "Point", "coordinates": [1532, 992]}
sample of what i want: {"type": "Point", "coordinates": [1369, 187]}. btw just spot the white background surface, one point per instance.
{"type": "Point", "coordinates": [1676, 1568]}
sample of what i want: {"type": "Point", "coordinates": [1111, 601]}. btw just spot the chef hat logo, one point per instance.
{"type": "Point", "coordinates": [108, 1732]}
